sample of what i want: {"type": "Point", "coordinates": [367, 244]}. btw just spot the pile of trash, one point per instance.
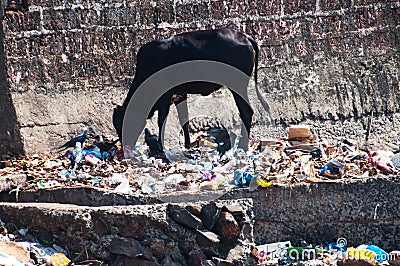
{"type": "Point", "coordinates": [20, 248]}
{"type": "Point", "coordinates": [210, 165]}
{"type": "Point", "coordinates": [283, 253]}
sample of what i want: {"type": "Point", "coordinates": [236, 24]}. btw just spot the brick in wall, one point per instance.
{"type": "Point", "coordinates": [381, 41]}
{"type": "Point", "coordinates": [223, 9]}
{"type": "Point", "coordinates": [362, 18]}
{"type": "Point", "coordinates": [46, 3]}
{"type": "Point", "coordinates": [155, 12]}
{"type": "Point", "coordinates": [263, 8]}
{"type": "Point", "coordinates": [291, 7]}
{"type": "Point", "coordinates": [329, 5]}
{"type": "Point", "coordinates": [21, 21]}
{"type": "Point", "coordinates": [332, 25]}
{"type": "Point", "coordinates": [60, 19]}
{"type": "Point", "coordinates": [88, 17]}
{"type": "Point", "coordinates": [316, 45]}
{"type": "Point", "coordinates": [192, 12]}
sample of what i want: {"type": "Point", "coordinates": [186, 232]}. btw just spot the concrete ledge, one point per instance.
{"type": "Point", "coordinates": [362, 211]}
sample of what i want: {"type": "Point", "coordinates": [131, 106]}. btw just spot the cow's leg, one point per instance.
{"type": "Point", "coordinates": [183, 115]}
{"type": "Point", "coordinates": [246, 114]}
{"type": "Point", "coordinates": [163, 111]}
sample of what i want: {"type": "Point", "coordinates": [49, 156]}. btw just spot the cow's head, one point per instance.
{"type": "Point", "coordinates": [118, 119]}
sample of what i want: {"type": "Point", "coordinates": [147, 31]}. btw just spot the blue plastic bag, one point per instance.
{"type": "Point", "coordinates": [242, 179]}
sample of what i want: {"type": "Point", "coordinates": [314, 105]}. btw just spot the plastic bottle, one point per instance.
{"type": "Point", "coordinates": [236, 143]}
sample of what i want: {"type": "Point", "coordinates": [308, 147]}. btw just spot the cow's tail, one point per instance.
{"type": "Point", "coordinates": [256, 50]}
{"type": "Point", "coordinates": [264, 103]}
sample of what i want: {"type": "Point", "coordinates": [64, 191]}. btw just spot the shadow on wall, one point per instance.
{"type": "Point", "coordinates": [10, 137]}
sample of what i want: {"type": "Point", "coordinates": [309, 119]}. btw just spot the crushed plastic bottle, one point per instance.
{"type": "Point", "coordinates": [335, 246]}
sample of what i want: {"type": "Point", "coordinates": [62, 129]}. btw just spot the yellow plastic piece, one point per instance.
{"type": "Point", "coordinates": [59, 259]}
{"type": "Point", "coordinates": [262, 182]}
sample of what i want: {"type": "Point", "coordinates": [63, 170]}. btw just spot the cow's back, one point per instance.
{"type": "Point", "coordinates": [222, 45]}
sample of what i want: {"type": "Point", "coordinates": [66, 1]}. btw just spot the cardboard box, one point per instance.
{"type": "Point", "coordinates": [299, 132]}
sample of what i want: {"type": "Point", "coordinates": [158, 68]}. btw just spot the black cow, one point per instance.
{"type": "Point", "coordinates": [223, 45]}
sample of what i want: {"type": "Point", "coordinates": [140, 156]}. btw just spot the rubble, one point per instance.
{"type": "Point", "coordinates": [101, 233]}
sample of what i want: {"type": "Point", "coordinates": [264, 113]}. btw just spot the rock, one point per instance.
{"type": "Point", "coordinates": [211, 253]}
{"type": "Point", "coordinates": [236, 254]}
{"type": "Point", "coordinates": [158, 250]}
{"type": "Point", "coordinates": [227, 227]}
{"type": "Point", "coordinates": [186, 248]}
{"type": "Point", "coordinates": [132, 229]}
{"type": "Point", "coordinates": [184, 217]}
{"type": "Point", "coordinates": [100, 228]}
{"type": "Point", "coordinates": [15, 250]}
{"type": "Point", "coordinates": [129, 247]}
{"type": "Point", "coordinates": [207, 239]}
{"type": "Point", "coordinates": [194, 209]}
{"type": "Point", "coordinates": [198, 259]}
{"type": "Point", "coordinates": [235, 209]}
{"type": "Point", "coordinates": [209, 215]}
{"type": "Point", "coordinates": [394, 258]}
{"type": "Point", "coordinates": [356, 262]}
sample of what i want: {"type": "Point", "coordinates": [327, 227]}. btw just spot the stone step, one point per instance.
{"type": "Point", "coordinates": [146, 233]}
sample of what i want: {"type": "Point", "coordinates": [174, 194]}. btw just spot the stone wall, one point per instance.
{"type": "Point", "coordinates": [68, 62]}
{"type": "Point", "coordinates": [158, 234]}
{"type": "Point", "coordinates": [363, 211]}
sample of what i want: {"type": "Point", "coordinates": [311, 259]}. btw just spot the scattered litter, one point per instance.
{"type": "Point", "coordinates": [208, 165]}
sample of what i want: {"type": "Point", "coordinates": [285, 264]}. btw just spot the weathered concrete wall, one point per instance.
{"type": "Point", "coordinates": [10, 139]}
{"type": "Point", "coordinates": [361, 211]}
{"type": "Point", "coordinates": [69, 61]}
